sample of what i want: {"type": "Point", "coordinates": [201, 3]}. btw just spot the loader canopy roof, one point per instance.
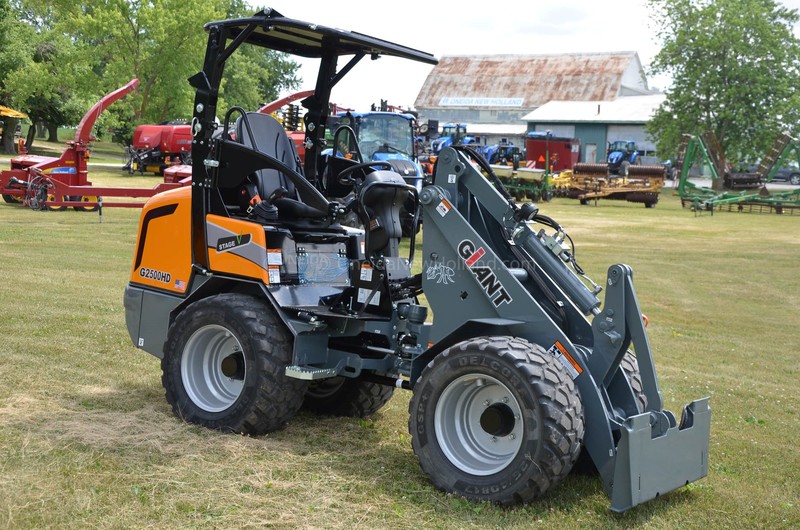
{"type": "Point", "coordinates": [270, 29]}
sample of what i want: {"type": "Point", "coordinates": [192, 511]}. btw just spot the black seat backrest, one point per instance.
{"type": "Point", "coordinates": [269, 137]}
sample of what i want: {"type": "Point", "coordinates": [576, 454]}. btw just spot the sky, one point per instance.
{"type": "Point", "coordinates": [462, 28]}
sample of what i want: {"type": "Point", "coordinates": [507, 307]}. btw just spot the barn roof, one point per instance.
{"type": "Point", "coordinates": [627, 109]}
{"type": "Point", "coordinates": [529, 81]}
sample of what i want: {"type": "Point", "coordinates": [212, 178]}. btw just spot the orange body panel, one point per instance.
{"type": "Point", "coordinates": [237, 247]}
{"type": "Point", "coordinates": [163, 248]}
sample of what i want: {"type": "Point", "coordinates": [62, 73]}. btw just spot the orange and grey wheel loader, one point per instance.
{"type": "Point", "coordinates": [259, 302]}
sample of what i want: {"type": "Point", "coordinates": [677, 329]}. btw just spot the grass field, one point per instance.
{"type": "Point", "coordinates": [87, 439]}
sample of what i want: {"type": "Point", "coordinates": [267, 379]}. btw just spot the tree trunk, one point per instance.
{"type": "Point", "coordinates": [41, 128]}
{"type": "Point", "coordinates": [8, 135]}
{"type": "Point", "coordinates": [52, 133]}
{"type": "Point", "coordinates": [29, 139]}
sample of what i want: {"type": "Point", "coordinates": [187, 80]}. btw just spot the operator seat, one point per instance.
{"type": "Point", "coordinates": [269, 137]}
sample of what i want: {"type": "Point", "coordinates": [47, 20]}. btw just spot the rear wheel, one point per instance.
{"type": "Point", "coordinates": [224, 366]}
{"type": "Point", "coordinates": [11, 199]}
{"type": "Point", "coordinates": [496, 419]}
{"type": "Point", "coordinates": [343, 396]}
{"type": "Point", "coordinates": [795, 179]}
{"type": "Point", "coordinates": [85, 198]}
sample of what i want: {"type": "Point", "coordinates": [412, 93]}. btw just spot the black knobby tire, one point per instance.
{"type": "Point", "coordinates": [343, 396]}
{"type": "Point", "coordinates": [496, 419]}
{"type": "Point", "coordinates": [224, 366]}
{"type": "Point", "coordinates": [630, 366]}
{"type": "Point", "coordinates": [11, 199]}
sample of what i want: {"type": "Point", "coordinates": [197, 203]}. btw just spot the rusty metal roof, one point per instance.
{"type": "Point", "coordinates": [536, 79]}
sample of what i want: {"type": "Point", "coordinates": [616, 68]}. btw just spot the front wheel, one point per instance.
{"type": "Point", "coordinates": [224, 366]}
{"type": "Point", "coordinates": [496, 419]}
{"type": "Point", "coordinates": [795, 180]}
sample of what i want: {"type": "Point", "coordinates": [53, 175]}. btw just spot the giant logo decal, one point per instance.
{"type": "Point", "coordinates": [486, 277]}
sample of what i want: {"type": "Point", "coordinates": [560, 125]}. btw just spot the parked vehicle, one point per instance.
{"type": "Point", "coordinates": [790, 174]}
{"type": "Point", "coordinates": [453, 134]}
{"type": "Point", "coordinates": [384, 136]}
{"type": "Point", "coordinates": [621, 155]}
{"type": "Point", "coordinates": [504, 153]}
{"type": "Point", "coordinates": [258, 302]}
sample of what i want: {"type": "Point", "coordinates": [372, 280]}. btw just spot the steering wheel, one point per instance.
{"type": "Point", "coordinates": [345, 178]}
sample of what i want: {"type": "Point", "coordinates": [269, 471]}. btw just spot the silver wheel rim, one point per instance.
{"type": "Point", "coordinates": [479, 424]}
{"type": "Point", "coordinates": [213, 368]}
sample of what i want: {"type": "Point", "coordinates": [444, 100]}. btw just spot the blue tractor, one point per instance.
{"type": "Point", "coordinates": [389, 137]}
{"type": "Point", "coordinates": [621, 155]}
{"type": "Point", "coordinates": [452, 134]}
{"type": "Point", "coordinates": [503, 153]}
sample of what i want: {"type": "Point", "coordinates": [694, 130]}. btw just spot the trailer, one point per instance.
{"type": "Point", "coordinates": [559, 153]}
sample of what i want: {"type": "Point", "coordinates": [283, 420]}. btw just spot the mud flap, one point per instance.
{"type": "Point", "coordinates": [650, 464]}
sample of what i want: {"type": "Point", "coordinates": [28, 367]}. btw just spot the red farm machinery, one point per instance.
{"type": "Point", "coordinates": [543, 149]}
{"type": "Point", "coordinates": [157, 147]}
{"type": "Point", "coordinates": [49, 183]}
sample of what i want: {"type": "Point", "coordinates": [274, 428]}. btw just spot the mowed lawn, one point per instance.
{"type": "Point", "coordinates": [87, 439]}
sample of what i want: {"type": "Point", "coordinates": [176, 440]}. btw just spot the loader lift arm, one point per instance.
{"type": "Point", "coordinates": [636, 464]}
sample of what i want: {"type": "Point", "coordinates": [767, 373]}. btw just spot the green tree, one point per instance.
{"type": "Point", "coordinates": [15, 52]}
{"type": "Point", "coordinates": [162, 43]}
{"type": "Point", "coordinates": [45, 84]}
{"type": "Point", "coordinates": [74, 53]}
{"type": "Point", "coordinates": [735, 66]}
